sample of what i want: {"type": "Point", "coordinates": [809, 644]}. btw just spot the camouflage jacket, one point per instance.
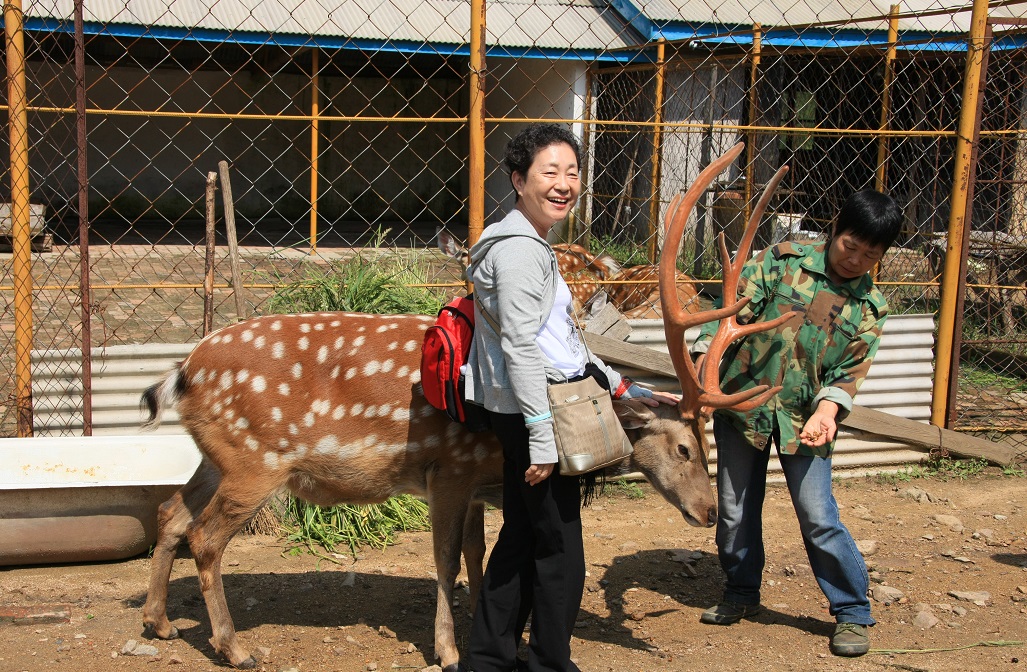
{"type": "Point", "coordinates": [823, 352]}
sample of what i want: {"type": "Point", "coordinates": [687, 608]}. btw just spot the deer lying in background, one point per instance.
{"type": "Point", "coordinates": [583, 271]}
{"type": "Point", "coordinates": [328, 406]}
{"type": "Point", "coordinates": [635, 292]}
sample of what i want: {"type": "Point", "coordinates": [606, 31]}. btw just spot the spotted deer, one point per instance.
{"type": "Point", "coordinates": [329, 407]}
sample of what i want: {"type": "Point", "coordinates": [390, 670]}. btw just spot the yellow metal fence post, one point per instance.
{"type": "Point", "coordinates": [314, 131]}
{"type": "Point", "coordinates": [889, 73]}
{"type": "Point", "coordinates": [654, 199]}
{"type": "Point", "coordinates": [963, 172]}
{"type": "Point", "coordinates": [21, 243]}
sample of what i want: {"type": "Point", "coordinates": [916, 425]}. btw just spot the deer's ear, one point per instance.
{"type": "Point", "coordinates": [633, 414]}
{"type": "Point", "coordinates": [448, 243]}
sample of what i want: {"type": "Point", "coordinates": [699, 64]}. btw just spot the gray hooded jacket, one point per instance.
{"type": "Point", "coordinates": [514, 274]}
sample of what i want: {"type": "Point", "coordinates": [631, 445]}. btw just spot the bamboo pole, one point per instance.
{"type": "Point", "coordinates": [476, 127]}
{"type": "Point", "coordinates": [654, 193]}
{"type": "Point", "coordinates": [315, 95]}
{"type": "Point", "coordinates": [881, 176]}
{"type": "Point", "coordinates": [21, 242]}
{"type": "Point", "coordinates": [754, 101]}
{"type": "Point", "coordinates": [233, 241]}
{"type": "Point", "coordinates": [82, 167]}
{"type": "Point", "coordinates": [962, 172]}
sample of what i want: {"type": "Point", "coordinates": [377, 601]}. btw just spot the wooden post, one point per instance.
{"type": "Point", "coordinates": [962, 174]}
{"type": "Point", "coordinates": [881, 176]}
{"type": "Point", "coordinates": [233, 243]}
{"type": "Point", "coordinates": [208, 266]}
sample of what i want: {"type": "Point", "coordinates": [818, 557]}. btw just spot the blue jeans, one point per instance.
{"type": "Point", "coordinates": [741, 487]}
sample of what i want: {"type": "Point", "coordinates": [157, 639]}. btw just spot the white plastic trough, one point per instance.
{"type": "Point", "coordinates": [76, 499]}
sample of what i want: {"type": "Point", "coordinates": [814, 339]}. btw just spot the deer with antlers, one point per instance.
{"type": "Point", "coordinates": [328, 406]}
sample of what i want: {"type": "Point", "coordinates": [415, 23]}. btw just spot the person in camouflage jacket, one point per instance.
{"type": "Point", "coordinates": [819, 357]}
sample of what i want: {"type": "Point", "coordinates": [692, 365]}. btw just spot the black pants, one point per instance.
{"type": "Point", "coordinates": [537, 566]}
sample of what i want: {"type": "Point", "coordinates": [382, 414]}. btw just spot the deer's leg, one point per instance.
{"type": "Point", "coordinates": [229, 509]}
{"type": "Point", "coordinates": [448, 500]}
{"type": "Point", "coordinates": [474, 549]}
{"type": "Point", "coordinates": [173, 518]}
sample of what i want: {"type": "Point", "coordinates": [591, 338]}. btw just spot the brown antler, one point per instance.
{"type": "Point", "coordinates": [703, 389]}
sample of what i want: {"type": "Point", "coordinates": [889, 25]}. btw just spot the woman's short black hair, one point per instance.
{"type": "Point", "coordinates": [522, 148]}
{"type": "Point", "coordinates": [870, 216]}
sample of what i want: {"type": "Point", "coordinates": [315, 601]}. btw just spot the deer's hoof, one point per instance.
{"type": "Point", "coordinates": [150, 632]}
{"type": "Point", "coordinates": [248, 664]}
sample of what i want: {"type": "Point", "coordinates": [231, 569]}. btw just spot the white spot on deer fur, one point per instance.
{"type": "Point", "coordinates": [283, 389]}
{"type": "Point", "coordinates": [393, 345]}
{"type": "Point", "coordinates": [229, 413]}
{"type": "Point", "coordinates": [242, 376]}
{"type": "Point", "coordinates": [259, 342]}
{"type": "Point", "coordinates": [305, 328]}
{"type": "Point", "coordinates": [372, 367]}
{"type": "Point", "coordinates": [308, 419]}
{"type": "Point", "coordinates": [411, 345]}
{"type": "Point", "coordinates": [276, 325]}
{"type": "Point", "coordinates": [335, 323]}
{"type": "Point", "coordinates": [359, 340]}
{"type": "Point", "coordinates": [320, 326]}
{"type": "Point", "coordinates": [297, 370]}
{"type": "Point", "coordinates": [198, 378]}
{"type": "Point", "coordinates": [276, 414]}
{"type": "Point", "coordinates": [322, 354]}
{"type": "Point", "coordinates": [427, 411]}
{"type": "Point", "coordinates": [271, 459]}
{"type": "Point", "coordinates": [382, 329]}
{"type": "Point", "coordinates": [401, 415]}
{"type": "Point", "coordinates": [278, 350]}
{"type": "Point", "coordinates": [247, 336]}
{"type": "Point", "coordinates": [251, 443]}
{"type": "Point", "coordinates": [303, 343]}
{"type": "Point", "coordinates": [226, 380]}
{"type": "Point", "coordinates": [227, 339]}
{"type": "Point", "coordinates": [415, 376]}
{"type": "Point", "coordinates": [339, 342]}
{"type": "Point", "coordinates": [371, 411]}
{"type": "Point", "coordinates": [387, 365]}
{"type": "Point", "coordinates": [403, 371]}
{"type": "Point", "coordinates": [259, 384]}
{"type": "Point", "coordinates": [242, 423]}
{"type": "Point", "coordinates": [357, 409]}
{"type": "Point", "coordinates": [217, 408]}
{"type": "Point", "coordinates": [335, 371]}
{"type": "Point", "coordinates": [339, 411]}
{"type": "Point", "coordinates": [432, 441]}
{"type": "Point", "coordinates": [283, 443]}
{"type": "Point", "coordinates": [451, 431]}
{"type": "Point", "coordinates": [370, 440]}
{"type": "Point", "coordinates": [384, 410]}
{"type": "Point", "coordinates": [293, 429]}
{"type": "Point", "coordinates": [215, 339]}
{"type": "Point", "coordinates": [321, 406]}
{"type": "Point", "coordinates": [481, 453]}
{"type": "Point", "coordinates": [350, 372]}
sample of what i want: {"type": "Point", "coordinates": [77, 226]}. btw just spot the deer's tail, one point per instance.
{"type": "Point", "coordinates": [162, 395]}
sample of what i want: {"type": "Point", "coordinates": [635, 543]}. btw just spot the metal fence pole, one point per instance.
{"type": "Point", "coordinates": [85, 295]}
{"type": "Point", "coordinates": [476, 126]}
{"type": "Point", "coordinates": [21, 243]}
{"type": "Point", "coordinates": [963, 172]}
{"type": "Point", "coordinates": [655, 230]}
{"type": "Point", "coordinates": [881, 177]}
{"type": "Point", "coordinates": [315, 94]}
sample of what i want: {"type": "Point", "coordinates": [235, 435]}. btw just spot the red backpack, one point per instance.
{"type": "Point", "coordinates": [444, 351]}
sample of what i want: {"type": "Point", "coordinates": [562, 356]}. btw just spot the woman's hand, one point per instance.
{"type": "Point", "coordinates": [537, 473]}
{"type": "Point", "coordinates": [822, 426]}
{"type": "Point", "coordinates": [660, 398]}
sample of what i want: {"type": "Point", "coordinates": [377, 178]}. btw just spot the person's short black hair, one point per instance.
{"type": "Point", "coordinates": [873, 217]}
{"type": "Point", "coordinates": [522, 148]}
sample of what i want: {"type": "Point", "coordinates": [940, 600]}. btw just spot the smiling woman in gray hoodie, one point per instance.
{"type": "Point", "coordinates": [537, 566]}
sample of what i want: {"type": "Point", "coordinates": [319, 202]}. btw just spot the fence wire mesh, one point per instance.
{"type": "Point", "coordinates": [348, 130]}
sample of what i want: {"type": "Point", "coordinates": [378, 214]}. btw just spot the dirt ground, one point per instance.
{"type": "Point", "coordinates": [649, 578]}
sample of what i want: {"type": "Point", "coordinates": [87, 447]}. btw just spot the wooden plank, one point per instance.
{"type": "Point", "coordinates": [861, 418]}
{"type": "Point", "coordinates": [609, 322]}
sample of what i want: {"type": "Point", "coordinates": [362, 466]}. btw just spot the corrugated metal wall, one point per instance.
{"type": "Point", "coordinates": [899, 383]}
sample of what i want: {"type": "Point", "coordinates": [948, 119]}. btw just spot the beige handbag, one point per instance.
{"type": "Point", "coordinates": [588, 434]}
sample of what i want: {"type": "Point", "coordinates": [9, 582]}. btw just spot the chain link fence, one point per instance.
{"type": "Point", "coordinates": [352, 129]}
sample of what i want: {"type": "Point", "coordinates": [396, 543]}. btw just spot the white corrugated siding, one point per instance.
{"type": "Point", "coordinates": [543, 24]}
{"type": "Point", "coordinates": [899, 383]}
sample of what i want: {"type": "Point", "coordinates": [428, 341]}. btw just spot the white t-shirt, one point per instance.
{"type": "Point", "coordinates": [558, 339]}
